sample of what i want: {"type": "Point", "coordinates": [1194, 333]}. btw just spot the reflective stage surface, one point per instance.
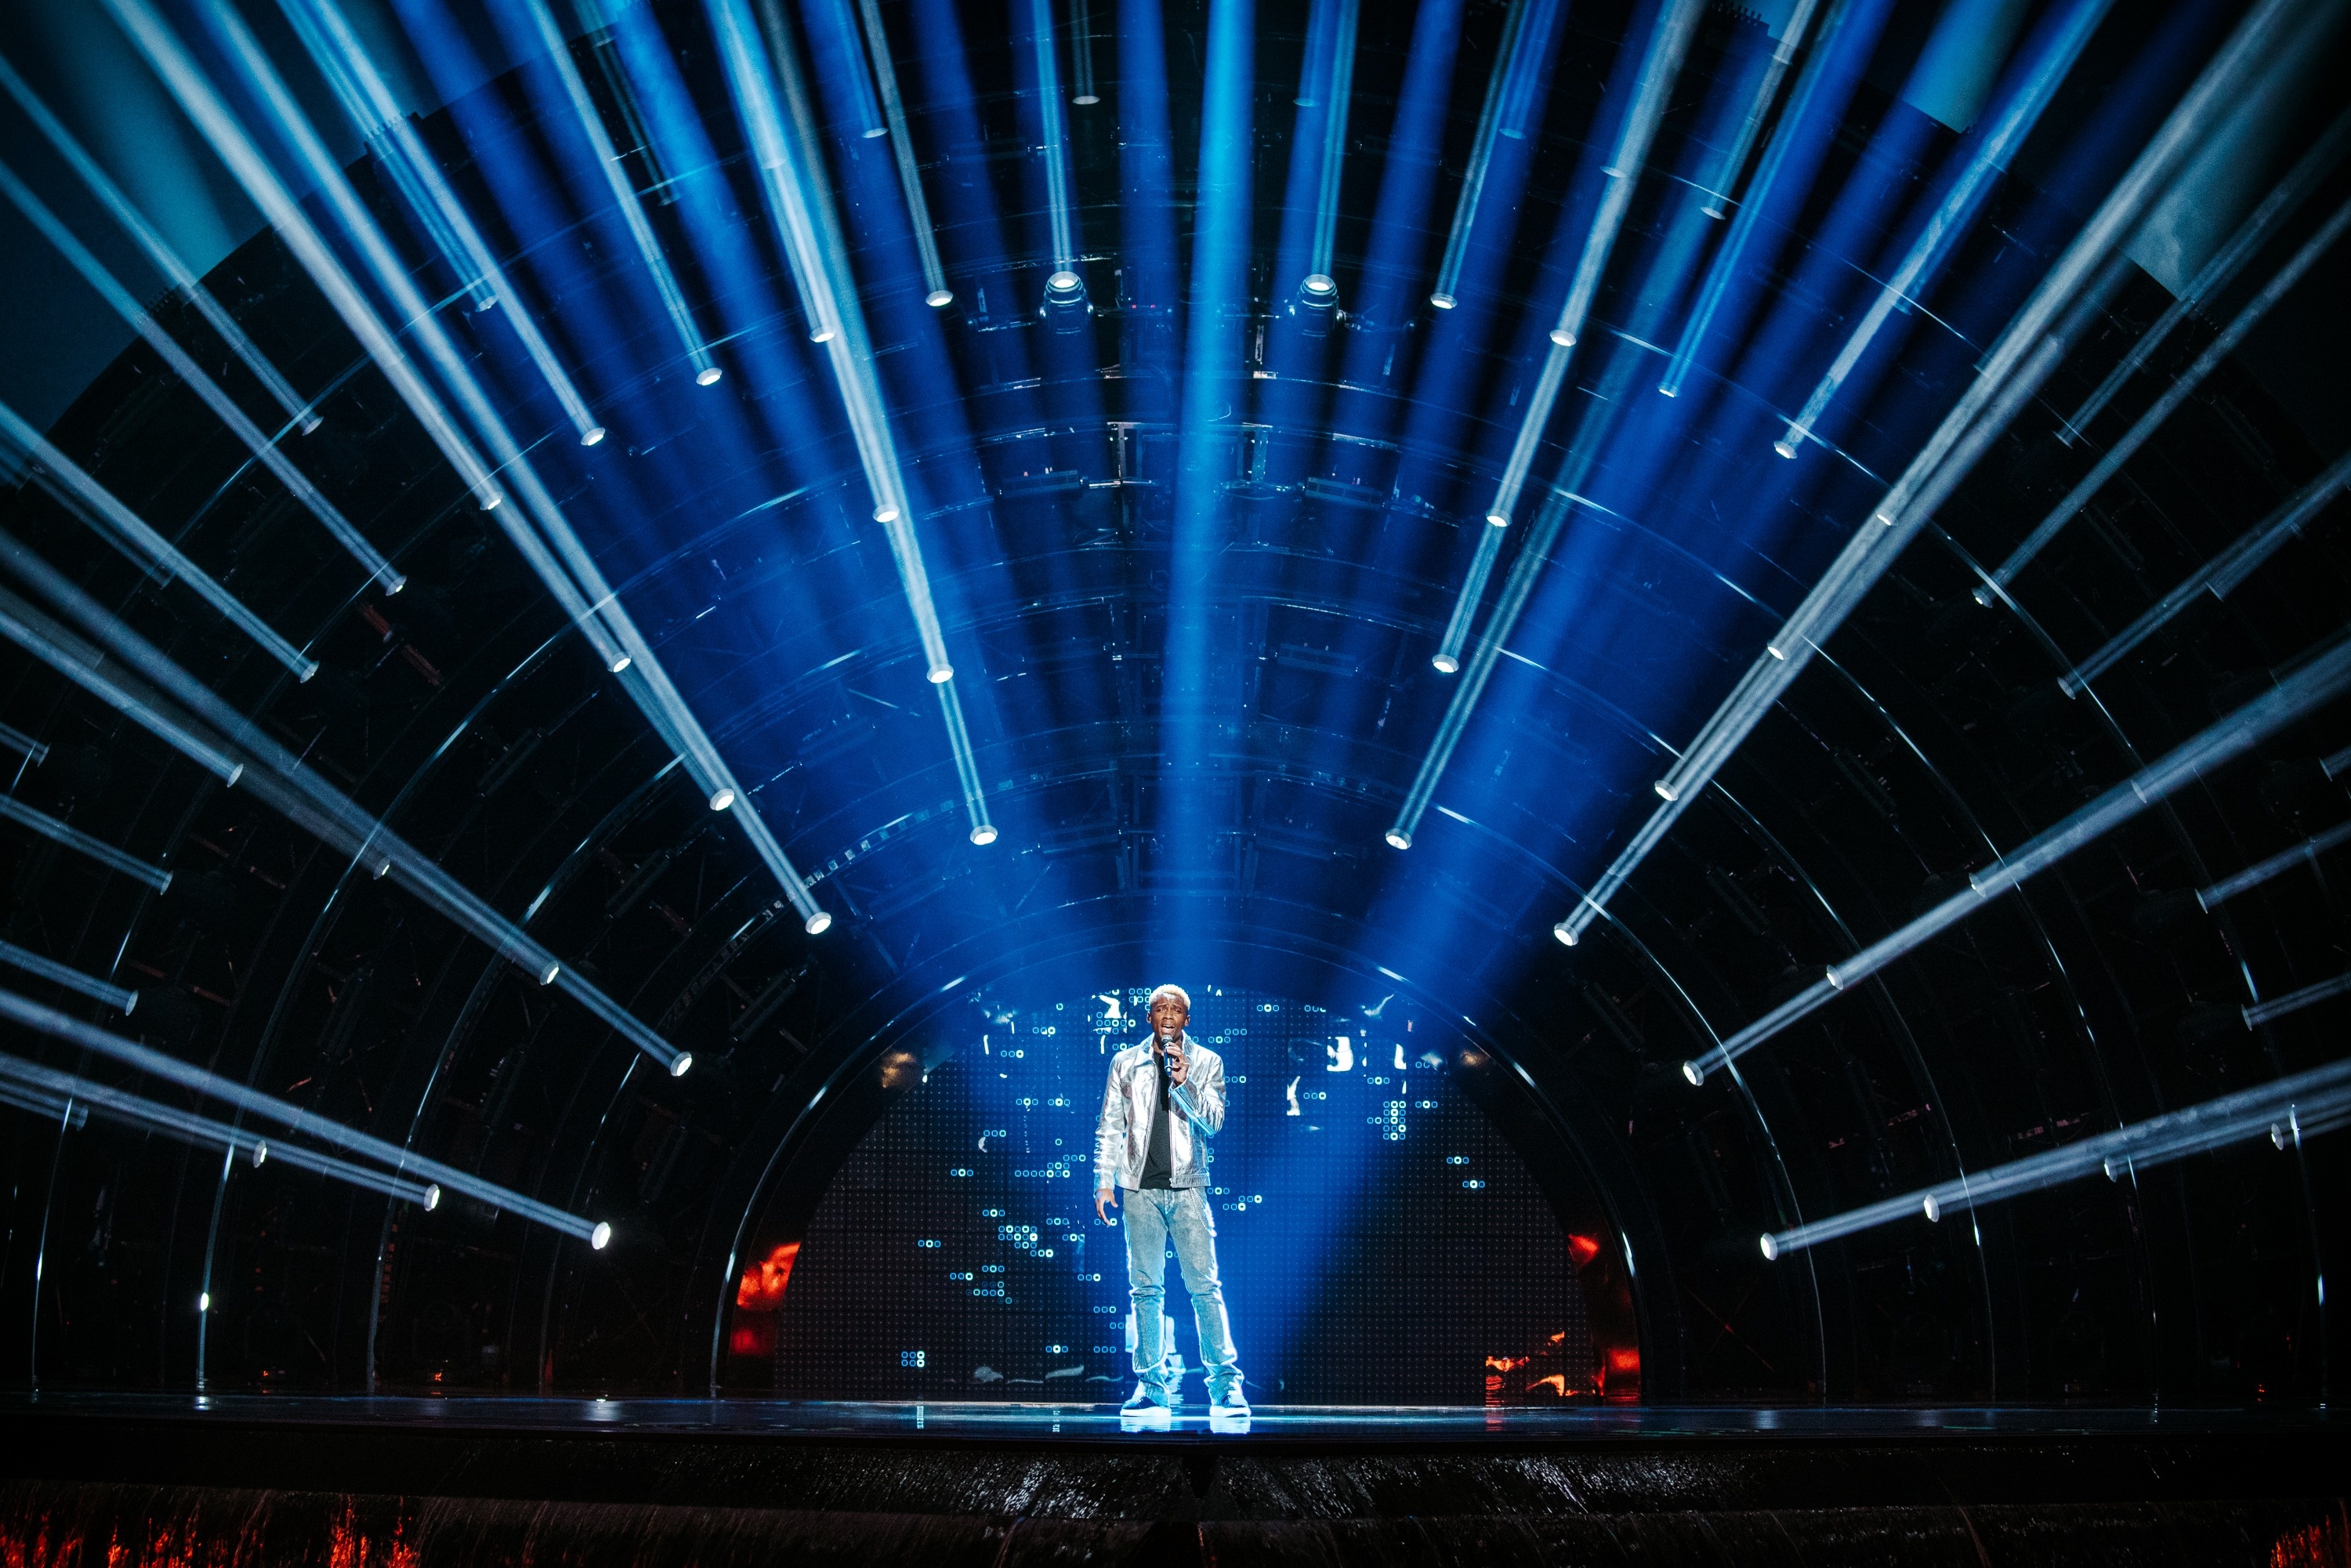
{"type": "Point", "coordinates": [1004, 1421]}
{"type": "Point", "coordinates": [404, 1482]}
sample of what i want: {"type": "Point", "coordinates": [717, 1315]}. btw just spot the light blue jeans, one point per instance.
{"type": "Point", "coordinates": [1155, 1218]}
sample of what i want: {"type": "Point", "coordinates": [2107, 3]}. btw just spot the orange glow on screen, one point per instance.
{"type": "Point", "coordinates": [762, 1289]}
{"type": "Point", "coordinates": [1624, 1358]}
{"type": "Point", "coordinates": [1582, 1249]}
{"type": "Point", "coordinates": [1556, 1382]}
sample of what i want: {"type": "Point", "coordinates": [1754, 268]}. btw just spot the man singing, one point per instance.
{"type": "Point", "coordinates": [1161, 1093]}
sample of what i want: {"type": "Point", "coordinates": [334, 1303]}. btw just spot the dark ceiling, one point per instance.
{"type": "Point", "coordinates": [1191, 550]}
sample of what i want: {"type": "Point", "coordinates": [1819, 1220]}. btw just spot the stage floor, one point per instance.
{"type": "Point", "coordinates": [1319, 1424]}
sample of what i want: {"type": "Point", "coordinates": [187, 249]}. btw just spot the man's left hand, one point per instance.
{"type": "Point", "coordinates": [1176, 1064]}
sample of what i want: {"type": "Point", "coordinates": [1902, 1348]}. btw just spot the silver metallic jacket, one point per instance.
{"type": "Point", "coordinates": [1122, 1141]}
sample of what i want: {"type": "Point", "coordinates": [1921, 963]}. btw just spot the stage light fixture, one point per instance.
{"type": "Point", "coordinates": [819, 923]}
{"type": "Point", "coordinates": [1498, 519]}
{"type": "Point", "coordinates": [547, 974]}
{"type": "Point", "coordinates": [886, 513]}
{"type": "Point", "coordinates": [1443, 301]}
{"type": "Point", "coordinates": [984, 835]}
{"type": "Point", "coordinates": [720, 799]}
{"type": "Point", "coordinates": [1565, 934]}
{"type": "Point", "coordinates": [1397, 839]}
{"type": "Point", "coordinates": [1563, 337]}
{"type": "Point", "coordinates": [708, 376]}
{"type": "Point", "coordinates": [939, 298]}
{"type": "Point", "coordinates": [681, 1064]}
{"type": "Point", "coordinates": [602, 1237]}
{"type": "Point", "coordinates": [940, 674]}
{"type": "Point", "coordinates": [1445, 664]}
{"type": "Point", "coordinates": [592, 437]}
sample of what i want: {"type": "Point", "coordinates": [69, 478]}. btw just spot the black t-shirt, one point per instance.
{"type": "Point", "coordinates": [1159, 1164]}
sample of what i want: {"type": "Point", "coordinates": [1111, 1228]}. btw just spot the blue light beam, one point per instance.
{"type": "Point", "coordinates": [2028, 350]}
{"type": "Point", "coordinates": [1525, 34]}
{"type": "Point", "coordinates": [2255, 232]}
{"type": "Point", "coordinates": [1950, 218]}
{"type": "Point", "coordinates": [66, 976]}
{"type": "Point", "coordinates": [157, 250]}
{"type": "Point", "coordinates": [369, 102]}
{"type": "Point", "coordinates": [46, 1088]}
{"type": "Point", "coordinates": [936, 294]}
{"type": "Point", "coordinates": [263, 446]}
{"type": "Point", "coordinates": [1669, 46]}
{"type": "Point", "coordinates": [2286, 1110]}
{"type": "Point", "coordinates": [2219, 577]}
{"type": "Point", "coordinates": [624, 194]}
{"type": "Point", "coordinates": [1792, 40]}
{"type": "Point", "coordinates": [2164, 407]}
{"type": "Point", "coordinates": [74, 839]}
{"type": "Point", "coordinates": [2323, 678]}
{"type": "Point", "coordinates": [269, 1107]}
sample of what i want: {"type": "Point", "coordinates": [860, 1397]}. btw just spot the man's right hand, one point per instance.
{"type": "Point", "coordinates": [1104, 1201]}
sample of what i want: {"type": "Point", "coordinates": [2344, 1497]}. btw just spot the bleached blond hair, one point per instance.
{"type": "Point", "coordinates": [1178, 992]}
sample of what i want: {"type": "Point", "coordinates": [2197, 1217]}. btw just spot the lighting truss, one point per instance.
{"type": "Point", "coordinates": [191, 717]}
{"type": "Point", "coordinates": [269, 1108]}
{"type": "Point", "coordinates": [1949, 219]}
{"type": "Point", "coordinates": [157, 250]}
{"type": "Point", "coordinates": [369, 102]}
{"type": "Point", "coordinates": [59, 1094]}
{"type": "Point", "coordinates": [263, 446]}
{"type": "Point", "coordinates": [2027, 352]}
{"type": "Point", "coordinates": [74, 839]}
{"type": "Point", "coordinates": [2320, 679]}
{"type": "Point", "coordinates": [2251, 234]}
{"type": "Point", "coordinates": [2164, 407]}
{"type": "Point", "coordinates": [2219, 577]}
{"type": "Point", "coordinates": [2285, 1112]}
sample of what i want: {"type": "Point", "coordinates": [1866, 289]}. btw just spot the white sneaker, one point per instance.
{"type": "Point", "coordinates": [1229, 1412]}
{"type": "Point", "coordinates": [1141, 1413]}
